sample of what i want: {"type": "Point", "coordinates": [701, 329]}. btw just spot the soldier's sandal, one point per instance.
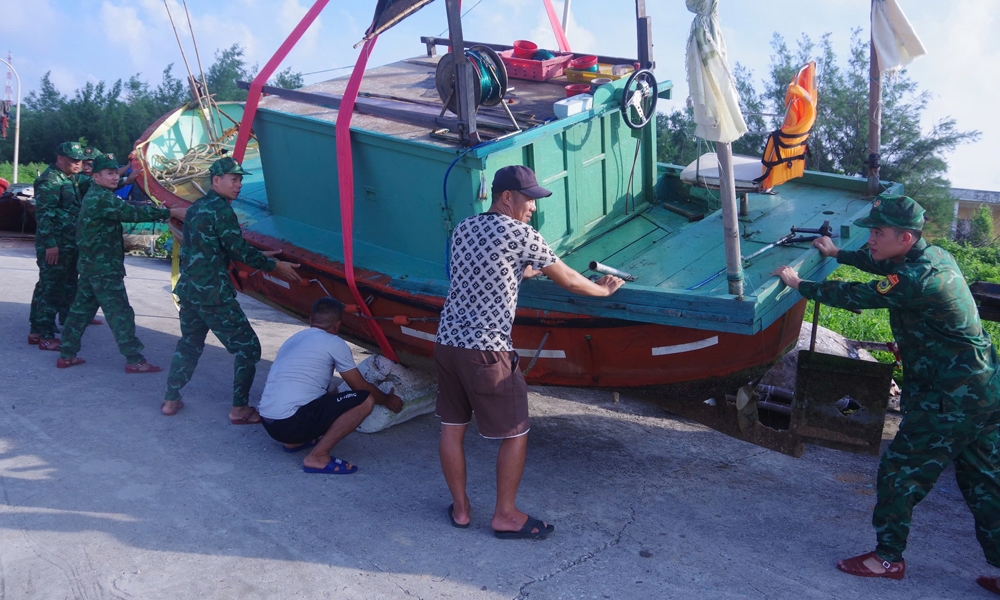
{"type": "Point", "coordinates": [52, 345]}
{"type": "Point", "coordinates": [176, 407]}
{"type": "Point", "coordinates": [857, 566]}
{"type": "Point", "coordinates": [251, 418]}
{"type": "Point", "coordinates": [33, 339]}
{"type": "Point", "coordinates": [143, 367]}
{"type": "Point", "coordinates": [989, 583]}
{"type": "Point", "coordinates": [65, 363]}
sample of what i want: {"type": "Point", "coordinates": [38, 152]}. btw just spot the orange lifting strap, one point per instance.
{"type": "Point", "coordinates": [785, 154]}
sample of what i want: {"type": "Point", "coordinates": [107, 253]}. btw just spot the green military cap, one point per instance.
{"type": "Point", "coordinates": [105, 161]}
{"type": "Point", "coordinates": [893, 210]}
{"type": "Point", "coordinates": [226, 165]}
{"type": "Point", "coordinates": [71, 150]}
{"type": "Point", "coordinates": [90, 153]}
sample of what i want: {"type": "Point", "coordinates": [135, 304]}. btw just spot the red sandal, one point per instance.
{"type": "Point", "coordinates": [143, 367]}
{"type": "Point", "coordinates": [65, 363]}
{"type": "Point", "coordinates": [50, 344]}
{"type": "Point", "coordinates": [989, 583]}
{"type": "Point", "coordinates": [33, 339]}
{"type": "Point", "coordinates": [857, 566]}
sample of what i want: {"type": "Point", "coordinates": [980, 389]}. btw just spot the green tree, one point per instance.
{"type": "Point", "coordinates": [229, 67]}
{"type": "Point", "coordinates": [839, 139]}
{"type": "Point", "coordinates": [287, 79]}
{"type": "Point", "coordinates": [981, 227]}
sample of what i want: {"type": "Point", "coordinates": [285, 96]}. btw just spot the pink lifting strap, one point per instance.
{"type": "Point", "coordinates": [345, 178]}
{"type": "Point", "coordinates": [253, 96]}
{"type": "Point", "coordinates": [557, 27]}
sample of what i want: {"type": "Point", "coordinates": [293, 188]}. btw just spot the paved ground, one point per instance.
{"type": "Point", "coordinates": [102, 497]}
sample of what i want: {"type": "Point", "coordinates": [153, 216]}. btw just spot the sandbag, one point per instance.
{"type": "Point", "coordinates": [418, 390]}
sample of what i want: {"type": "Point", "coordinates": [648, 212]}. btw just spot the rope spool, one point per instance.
{"type": "Point", "coordinates": [487, 78]}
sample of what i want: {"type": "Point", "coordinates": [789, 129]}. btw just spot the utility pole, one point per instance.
{"type": "Point", "coordinates": [17, 113]}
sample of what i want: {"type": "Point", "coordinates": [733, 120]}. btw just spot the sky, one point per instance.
{"type": "Point", "coordinates": [94, 40]}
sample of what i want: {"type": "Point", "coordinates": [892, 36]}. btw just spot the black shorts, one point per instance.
{"type": "Point", "coordinates": [314, 419]}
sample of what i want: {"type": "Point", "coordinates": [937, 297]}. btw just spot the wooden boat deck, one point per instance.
{"type": "Point", "coordinates": [410, 84]}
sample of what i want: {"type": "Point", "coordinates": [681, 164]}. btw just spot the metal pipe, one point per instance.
{"type": "Point", "coordinates": [773, 390]}
{"type": "Point", "coordinates": [565, 20]}
{"type": "Point", "coordinates": [596, 266]}
{"type": "Point", "coordinates": [783, 409]}
{"type": "Point", "coordinates": [17, 117]}
{"type": "Point", "coordinates": [463, 93]}
{"type": "Point", "coordinates": [730, 220]}
{"type": "Point", "coordinates": [815, 326]}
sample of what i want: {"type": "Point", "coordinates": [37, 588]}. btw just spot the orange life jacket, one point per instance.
{"type": "Point", "coordinates": [784, 156]}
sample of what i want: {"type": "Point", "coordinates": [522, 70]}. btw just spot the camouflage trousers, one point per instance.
{"type": "Point", "coordinates": [108, 293]}
{"type": "Point", "coordinates": [926, 443]}
{"type": "Point", "coordinates": [54, 291]}
{"type": "Point", "coordinates": [230, 325]}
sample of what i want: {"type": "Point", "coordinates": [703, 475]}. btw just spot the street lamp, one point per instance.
{"type": "Point", "coordinates": [17, 116]}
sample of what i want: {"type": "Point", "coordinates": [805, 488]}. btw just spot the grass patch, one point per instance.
{"type": "Point", "coordinates": [977, 264]}
{"type": "Point", "coordinates": [26, 173]}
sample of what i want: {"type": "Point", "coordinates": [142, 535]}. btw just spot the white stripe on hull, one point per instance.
{"type": "Point", "coordinates": [527, 353]}
{"type": "Point", "coordinates": [679, 348]}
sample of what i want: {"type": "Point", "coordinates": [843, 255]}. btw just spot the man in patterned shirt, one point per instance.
{"type": "Point", "coordinates": [475, 359]}
{"type": "Point", "coordinates": [951, 394]}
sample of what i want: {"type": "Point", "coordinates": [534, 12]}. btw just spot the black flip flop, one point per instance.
{"type": "Point", "coordinates": [525, 532]}
{"type": "Point", "coordinates": [455, 523]}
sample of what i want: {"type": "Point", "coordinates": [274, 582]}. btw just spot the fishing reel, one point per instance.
{"type": "Point", "coordinates": [638, 104]}
{"type": "Point", "coordinates": [487, 78]}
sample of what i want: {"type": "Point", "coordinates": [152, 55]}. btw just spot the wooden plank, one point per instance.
{"type": "Point", "coordinates": [437, 41]}
{"type": "Point", "coordinates": [609, 243]}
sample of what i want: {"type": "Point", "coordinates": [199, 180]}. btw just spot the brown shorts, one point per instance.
{"type": "Point", "coordinates": [488, 384]}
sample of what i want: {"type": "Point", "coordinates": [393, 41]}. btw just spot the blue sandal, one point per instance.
{"type": "Point", "coordinates": [334, 467]}
{"type": "Point", "coordinates": [526, 533]}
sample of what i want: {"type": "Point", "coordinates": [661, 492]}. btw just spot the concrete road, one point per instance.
{"type": "Point", "coordinates": [102, 497]}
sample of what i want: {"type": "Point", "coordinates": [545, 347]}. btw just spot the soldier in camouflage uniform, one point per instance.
{"type": "Point", "coordinates": [101, 265]}
{"type": "Point", "coordinates": [57, 204]}
{"type": "Point", "coordinates": [951, 394]}
{"type": "Point", "coordinates": [212, 237]}
{"type": "Point", "coordinates": [89, 154]}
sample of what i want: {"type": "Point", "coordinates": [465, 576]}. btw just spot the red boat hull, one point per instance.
{"type": "Point", "coordinates": [578, 350]}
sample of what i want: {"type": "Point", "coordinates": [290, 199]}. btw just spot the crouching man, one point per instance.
{"type": "Point", "coordinates": [296, 408]}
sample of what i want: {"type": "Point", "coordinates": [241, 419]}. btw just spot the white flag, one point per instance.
{"type": "Point", "coordinates": [896, 44]}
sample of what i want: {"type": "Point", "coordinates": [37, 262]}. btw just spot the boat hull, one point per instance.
{"type": "Point", "coordinates": [556, 348]}
{"type": "Point", "coordinates": [571, 349]}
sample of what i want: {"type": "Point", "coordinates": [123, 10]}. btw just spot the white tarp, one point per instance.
{"type": "Point", "coordinates": [713, 90]}
{"type": "Point", "coordinates": [896, 44]}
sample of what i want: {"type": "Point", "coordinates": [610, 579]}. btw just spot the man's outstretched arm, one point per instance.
{"type": "Point", "coordinates": [571, 280]}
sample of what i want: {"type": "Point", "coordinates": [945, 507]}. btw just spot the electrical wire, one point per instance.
{"type": "Point", "coordinates": [463, 16]}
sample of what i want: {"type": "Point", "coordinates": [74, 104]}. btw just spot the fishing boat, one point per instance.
{"type": "Point", "coordinates": [368, 215]}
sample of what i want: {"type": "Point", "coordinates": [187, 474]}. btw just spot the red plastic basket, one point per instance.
{"type": "Point", "coordinates": [535, 70]}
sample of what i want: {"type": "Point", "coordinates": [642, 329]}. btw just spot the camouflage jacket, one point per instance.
{"type": "Point", "coordinates": [212, 237]}
{"type": "Point", "coordinates": [57, 206]}
{"type": "Point", "coordinates": [945, 351]}
{"type": "Point", "coordinates": [99, 231]}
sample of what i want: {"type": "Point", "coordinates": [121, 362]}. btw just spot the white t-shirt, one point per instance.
{"type": "Point", "coordinates": [489, 253]}
{"type": "Point", "coordinates": [302, 370]}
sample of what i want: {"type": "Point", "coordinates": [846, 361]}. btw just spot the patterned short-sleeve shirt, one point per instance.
{"type": "Point", "coordinates": [489, 253]}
